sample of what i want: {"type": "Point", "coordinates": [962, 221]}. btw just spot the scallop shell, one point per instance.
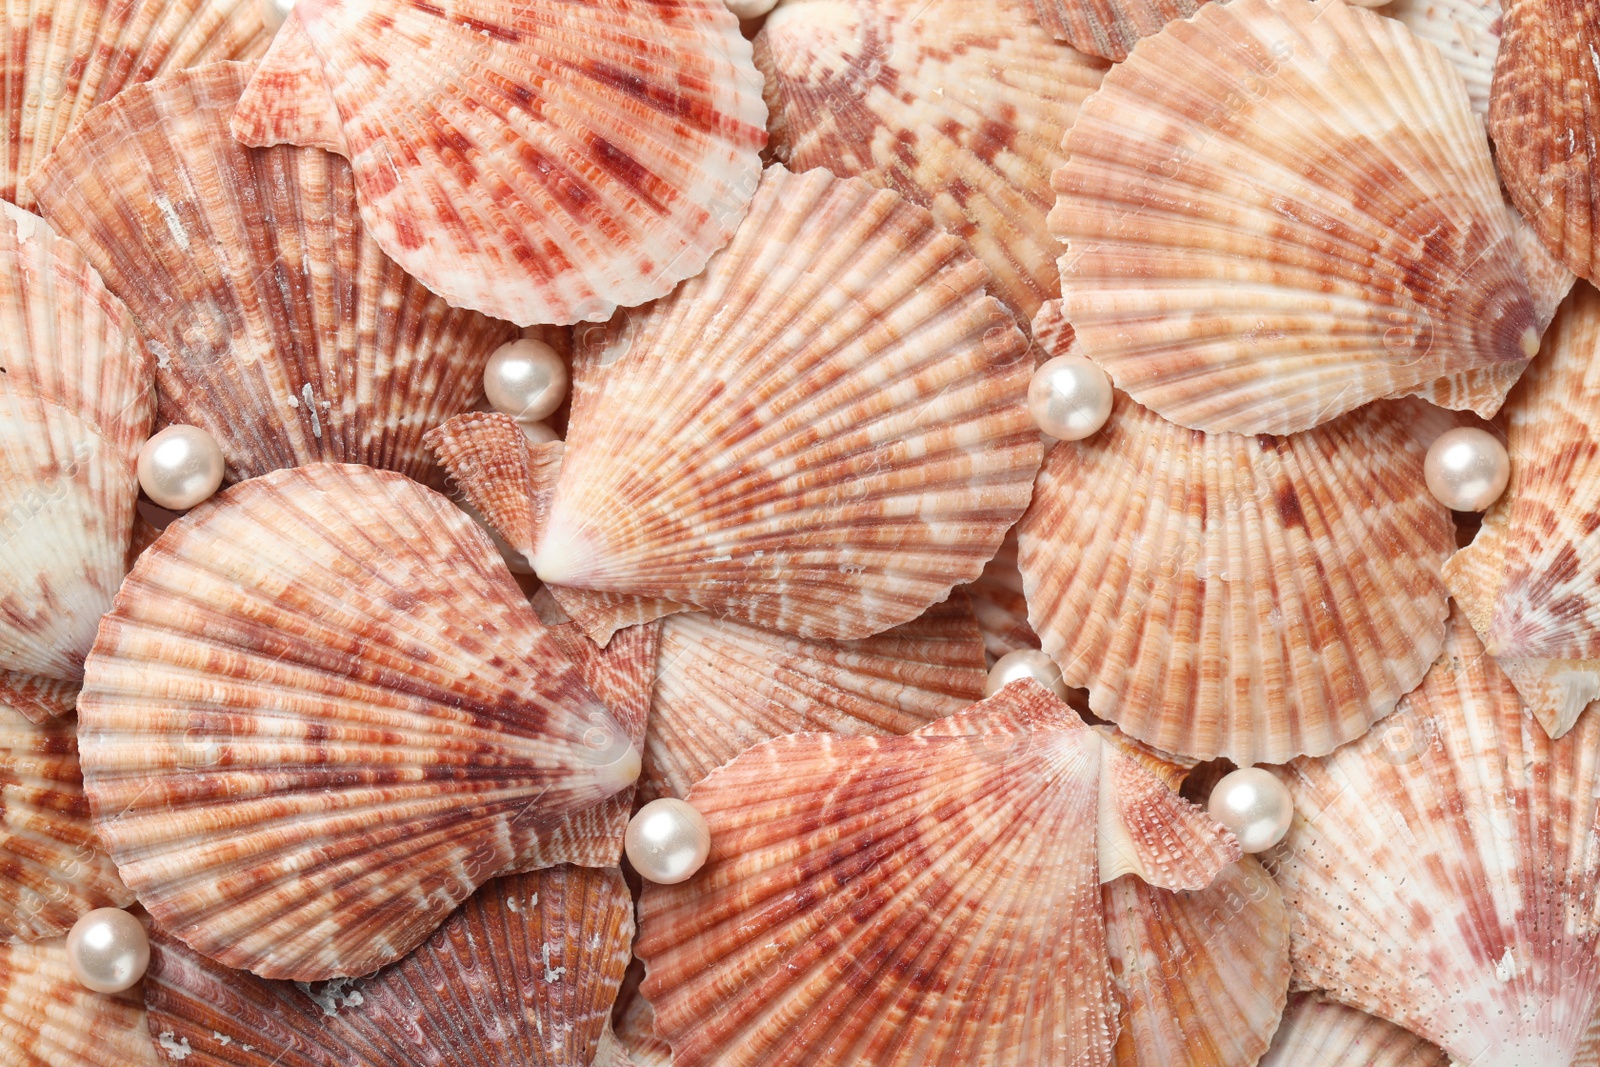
{"type": "Point", "coordinates": [1109, 28]}
{"type": "Point", "coordinates": [1253, 597]}
{"type": "Point", "coordinates": [1467, 32]}
{"type": "Point", "coordinates": [539, 164]}
{"type": "Point", "coordinates": [280, 326]}
{"type": "Point", "coordinates": [869, 443]}
{"type": "Point", "coordinates": [288, 101]}
{"type": "Point", "coordinates": [524, 973]}
{"type": "Point", "coordinates": [1441, 873]}
{"type": "Point", "coordinates": [1317, 1032]}
{"type": "Point", "coordinates": [723, 686]}
{"type": "Point", "coordinates": [37, 699]}
{"type": "Point", "coordinates": [48, 1020]}
{"type": "Point", "coordinates": [1000, 604]}
{"type": "Point", "coordinates": [956, 106]}
{"type": "Point", "coordinates": [1258, 242]}
{"type": "Point", "coordinates": [343, 654]}
{"type": "Point", "coordinates": [635, 1023]}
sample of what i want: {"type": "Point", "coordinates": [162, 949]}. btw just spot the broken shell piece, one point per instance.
{"type": "Point", "coordinates": [52, 1021]}
{"type": "Point", "coordinates": [321, 714]}
{"type": "Point", "coordinates": [1258, 242]}
{"type": "Point", "coordinates": [538, 164]}
{"type": "Point", "coordinates": [1320, 1031]}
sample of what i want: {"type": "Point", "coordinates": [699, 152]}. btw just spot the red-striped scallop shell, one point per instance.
{"type": "Point", "coordinates": [47, 1019]}
{"type": "Point", "coordinates": [1316, 1031]}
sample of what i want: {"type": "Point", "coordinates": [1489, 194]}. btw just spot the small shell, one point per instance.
{"type": "Point", "coordinates": [1252, 597]}
{"type": "Point", "coordinates": [868, 446]}
{"type": "Point", "coordinates": [1141, 814]}
{"type": "Point", "coordinates": [1109, 28]}
{"type": "Point", "coordinates": [1317, 1032]}
{"type": "Point", "coordinates": [524, 973]}
{"type": "Point", "coordinates": [554, 162]}
{"type": "Point", "coordinates": [50, 1020]}
{"type": "Point", "coordinates": [1466, 31]}
{"type": "Point", "coordinates": [321, 714]}
{"type": "Point", "coordinates": [37, 699]}
{"type": "Point", "coordinates": [280, 326]}
{"type": "Point", "coordinates": [999, 603]}
{"type": "Point", "coordinates": [1258, 241]}
{"type": "Point", "coordinates": [957, 106]}
{"type": "Point", "coordinates": [288, 101]}
{"type": "Point", "coordinates": [635, 1024]}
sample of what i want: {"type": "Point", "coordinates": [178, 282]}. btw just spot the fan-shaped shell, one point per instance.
{"type": "Point", "coordinates": [1109, 28]}
{"type": "Point", "coordinates": [1258, 240]}
{"type": "Point", "coordinates": [539, 164]}
{"type": "Point", "coordinates": [523, 975]}
{"type": "Point", "coordinates": [1253, 597]}
{"type": "Point", "coordinates": [321, 714]}
{"type": "Point", "coordinates": [956, 106]}
{"type": "Point", "coordinates": [1467, 32]}
{"type": "Point", "coordinates": [1000, 604]}
{"type": "Point", "coordinates": [47, 1019]}
{"type": "Point", "coordinates": [37, 699]}
{"type": "Point", "coordinates": [280, 326]}
{"type": "Point", "coordinates": [1316, 1031]}
{"type": "Point", "coordinates": [868, 444]}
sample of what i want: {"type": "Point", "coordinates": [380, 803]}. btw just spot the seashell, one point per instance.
{"type": "Point", "coordinates": [1440, 872]}
{"type": "Point", "coordinates": [524, 973]}
{"type": "Point", "coordinates": [635, 1023]}
{"type": "Point", "coordinates": [557, 162]}
{"type": "Point", "coordinates": [1217, 594]}
{"type": "Point", "coordinates": [1141, 814]}
{"type": "Point", "coordinates": [1053, 335]}
{"type": "Point", "coordinates": [1109, 28]}
{"type": "Point", "coordinates": [1257, 242]}
{"type": "Point", "coordinates": [958, 107]}
{"type": "Point", "coordinates": [52, 1021]}
{"type": "Point", "coordinates": [869, 445]}
{"type": "Point", "coordinates": [288, 101]}
{"type": "Point", "coordinates": [1000, 604]}
{"type": "Point", "coordinates": [1467, 32]}
{"type": "Point", "coordinates": [1317, 1031]}
{"type": "Point", "coordinates": [723, 686]}
{"type": "Point", "coordinates": [321, 714]}
{"type": "Point", "coordinates": [37, 699]}
{"type": "Point", "coordinates": [280, 326]}
{"type": "Point", "coordinates": [1588, 1051]}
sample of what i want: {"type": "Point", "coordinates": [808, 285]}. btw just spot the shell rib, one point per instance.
{"type": "Point", "coordinates": [1467, 32]}
{"type": "Point", "coordinates": [48, 1020]}
{"type": "Point", "coordinates": [536, 163]}
{"type": "Point", "coordinates": [1258, 241]}
{"type": "Point", "coordinates": [956, 106]}
{"type": "Point", "coordinates": [321, 714]}
{"type": "Point", "coordinates": [1441, 873]}
{"type": "Point", "coordinates": [869, 443]}
{"type": "Point", "coordinates": [1317, 1032]}
{"type": "Point", "coordinates": [523, 975]}
{"type": "Point", "coordinates": [280, 326]}
{"type": "Point", "coordinates": [1257, 598]}
{"type": "Point", "coordinates": [1109, 28]}
{"type": "Point", "coordinates": [37, 699]}
{"type": "Point", "coordinates": [1000, 605]}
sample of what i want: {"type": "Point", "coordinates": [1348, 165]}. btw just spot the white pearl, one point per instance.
{"type": "Point", "coordinates": [1254, 805]}
{"type": "Point", "coordinates": [1070, 398]}
{"type": "Point", "coordinates": [751, 9]}
{"type": "Point", "coordinates": [525, 379]}
{"type": "Point", "coordinates": [108, 950]}
{"type": "Point", "coordinates": [1025, 663]}
{"type": "Point", "coordinates": [180, 467]}
{"type": "Point", "coordinates": [668, 841]}
{"type": "Point", "coordinates": [274, 12]}
{"type": "Point", "coordinates": [537, 433]}
{"type": "Point", "coordinates": [1467, 468]}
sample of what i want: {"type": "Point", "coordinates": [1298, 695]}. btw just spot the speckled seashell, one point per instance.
{"type": "Point", "coordinates": [959, 107]}
{"type": "Point", "coordinates": [723, 686]}
{"type": "Point", "coordinates": [279, 325]}
{"type": "Point", "coordinates": [1141, 815]}
{"type": "Point", "coordinates": [320, 714]}
{"type": "Point", "coordinates": [1109, 28]}
{"type": "Point", "coordinates": [1316, 1031]}
{"type": "Point", "coordinates": [1252, 597]}
{"type": "Point", "coordinates": [999, 604]}
{"type": "Point", "coordinates": [1440, 873]}
{"type": "Point", "coordinates": [523, 974]}
{"type": "Point", "coordinates": [1258, 241]}
{"type": "Point", "coordinates": [1466, 31]}
{"type": "Point", "coordinates": [539, 164]}
{"type": "Point", "coordinates": [48, 1020]}
{"type": "Point", "coordinates": [869, 443]}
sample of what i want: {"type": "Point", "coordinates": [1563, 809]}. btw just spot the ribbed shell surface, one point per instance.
{"type": "Point", "coordinates": [48, 1020]}
{"type": "Point", "coordinates": [1315, 1032]}
{"type": "Point", "coordinates": [1109, 28]}
{"type": "Point", "coordinates": [1000, 605]}
{"type": "Point", "coordinates": [1466, 31]}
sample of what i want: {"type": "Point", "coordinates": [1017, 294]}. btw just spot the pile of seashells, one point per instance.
{"type": "Point", "coordinates": [923, 533]}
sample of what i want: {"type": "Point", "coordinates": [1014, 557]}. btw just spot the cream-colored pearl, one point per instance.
{"type": "Point", "coordinates": [751, 9]}
{"type": "Point", "coordinates": [1467, 468]}
{"type": "Point", "coordinates": [180, 467]}
{"type": "Point", "coordinates": [1254, 805]}
{"type": "Point", "coordinates": [108, 950]}
{"type": "Point", "coordinates": [525, 379]}
{"type": "Point", "coordinates": [1070, 398]}
{"type": "Point", "coordinates": [274, 12]}
{"type": "Point", "coordinates": [1025, 663]}
{"type": "Point", "coordinates": [537, 433]}
{"type": "Point", "coordinates": [668, 841]}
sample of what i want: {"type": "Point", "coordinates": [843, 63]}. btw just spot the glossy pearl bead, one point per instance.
{"type": "Point", "coordinates": [1025, 663]}
{"type": "Point", "coordinates": [1254, 805]}
{"type": "Point", "coordinates": [108, 950]}
{"type": "Point", "coordinates": [1070, 398]}
{"type": "Point", "coordinates": [180, 467]}
{"type": "Point", "coordinates": [1467, 469]}
{"type": "Point", "coordinates": [274, 12]}
{"type": "Point", "coordinates": [668, 841]}
{"type": "Point", "coordinates": [525, 379]}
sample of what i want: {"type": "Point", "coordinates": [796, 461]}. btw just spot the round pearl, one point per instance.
{"type": "Point", "coordinates": [668, 841]}
{"type": "Point", "coordinates": [1025, 663]}
{"type": "Point", "coordinates": [108, 950]}
{"type": "Point", "coordinates": [1467, 468]}
{"type": "Point", "coordinates": [537, 433]}
{"type": "Point", "coordinates": [751, 9]}
{"type": "Point", "coordinates": [525, 379]}
{"type": "Point", "coordinates": [1254, 805]}
{"type": "Point", "coordinates": [1070, 398]}
{"type": "Point", "coordinates": [274, 12]}
{"type": "Point", "coordinates": [180, 467]}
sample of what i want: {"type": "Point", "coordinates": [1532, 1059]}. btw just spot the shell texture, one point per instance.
{"type": "Point", "coordinates": [1467, 32]}
{"type": "Point", "coordinates": [958, 107]}
{"type": "Point", "coordinates": [543, 164]}
{"type": "Point", "coordinates": [48, 1020]}
{"type": "Point", "coordinates": [868, 446]}
{"type": "Point", "coordinates": [635, 1030]}
{"type": "Point", "coordinates": [1462, 906]}
{"type": "Point", "coordinates": [1258, 239]}
{"type": "Point", "coordinates": [321, 714]}
{"type": "Point", "coordinates": [523, 975]}
{"type": "Point", "coordinates": [1109, 28]}
{"type": "Point", "coordinates": [1317, 1032]}
{"type": "Point", "coordinates": [288, 101]}
{"type": "Point", "coordinates": [1000, 604]}
{"type": "Point", "coordinates": [37, 699]}
{"type": "Point", "coordinates": [1141, 816]}
{"type": "Point", "coordinates": [280, 326]}
{"type": "Point", "coordinates": [1253, 597]}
